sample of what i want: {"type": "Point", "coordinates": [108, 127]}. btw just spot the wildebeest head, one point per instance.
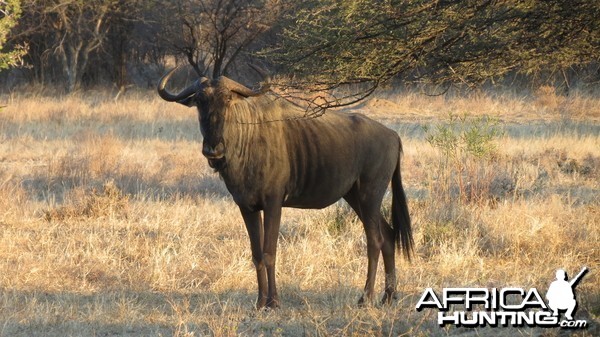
{"type": "Point", "coordinates": [212, 98]}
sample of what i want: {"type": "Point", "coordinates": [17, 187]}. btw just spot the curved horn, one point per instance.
{"type": "Point", "coordinates": [245, 91]}
{"type": "Point", "coordinates": [266, 78]}
{"type": "Point", "coordinates": [238, 88]}
{"type": "Point", "coordinates": [185, 93]}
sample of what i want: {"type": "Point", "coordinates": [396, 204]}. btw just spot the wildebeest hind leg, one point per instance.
{"type": "Point", "coordinates": [254, 226]}
{"type": "Point", "coordinates": [388, 251]}
{"type": "Point", "coordinates": [368, 211]}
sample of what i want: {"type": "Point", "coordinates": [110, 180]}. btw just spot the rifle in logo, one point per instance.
{"type": "Point", "coordinates": [561, 294]}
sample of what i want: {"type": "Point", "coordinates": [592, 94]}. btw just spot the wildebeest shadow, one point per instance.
{"type": "Point", "coordinates": [203, 313]}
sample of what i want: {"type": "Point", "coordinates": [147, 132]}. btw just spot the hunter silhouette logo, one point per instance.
{"type": "Point", "coordinates": [561, 294]}
{"type": "Point", "coordinates": [510, 306]}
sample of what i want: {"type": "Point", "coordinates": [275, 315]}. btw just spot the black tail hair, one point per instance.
{"type": "Point", "coordinates": [400, 216]}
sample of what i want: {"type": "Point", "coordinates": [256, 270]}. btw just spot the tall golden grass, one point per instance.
{"type": "Point", "coordinates": [111, 223]}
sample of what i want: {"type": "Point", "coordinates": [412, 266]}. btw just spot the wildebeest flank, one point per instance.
{"type": "Point", "coordinates": [269, 157]}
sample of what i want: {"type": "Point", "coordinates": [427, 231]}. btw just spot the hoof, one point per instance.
{"type": "Point", "coordinates": [389, 298]}
{"type": "Point", "coordinates": [273, 303]}
{"type": "Point", "coordinates": [261, 303]}
{"type": "Point", "coordinates": [364, 302]}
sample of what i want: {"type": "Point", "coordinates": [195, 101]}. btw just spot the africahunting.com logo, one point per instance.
{"type": "Point", "coordinates": [479, 307]}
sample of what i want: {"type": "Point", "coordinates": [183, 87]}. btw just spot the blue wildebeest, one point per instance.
{"type": "Point", "coordinates": [270, 157]}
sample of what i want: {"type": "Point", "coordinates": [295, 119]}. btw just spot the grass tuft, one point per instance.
{"type": "Point", "coordinates": [108, 203]}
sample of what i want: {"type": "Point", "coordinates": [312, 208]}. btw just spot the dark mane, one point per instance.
{"type": "Point", "coordinates": [266, 108]}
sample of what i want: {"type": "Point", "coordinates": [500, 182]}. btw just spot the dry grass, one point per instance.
{"type": "Point", "coordinates": [111, 223]}
{"type": "Point", "coordinates": [545, 104]}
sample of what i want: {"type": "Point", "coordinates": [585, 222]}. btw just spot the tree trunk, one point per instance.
{"type": "Point", "coordinates": [74, 61]}
{"type": "Point", "coordinates": [70, 62]}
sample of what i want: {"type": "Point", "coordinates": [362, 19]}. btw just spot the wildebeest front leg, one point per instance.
{"type": "Point", "coordinates": [254, 226]}
{"type": "Point", "coordinates": [272, 222]}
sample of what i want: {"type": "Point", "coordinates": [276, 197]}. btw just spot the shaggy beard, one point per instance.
{"type": "Point", "coordinates": [217, 164]}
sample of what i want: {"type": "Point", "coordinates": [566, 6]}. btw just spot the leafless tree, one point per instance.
{"type": "Point", "coordinates": [211, 34]}
{"type": "Point", "coordinates": [81, 28]}
{"type": "Point", "coordinates": [64, 34]}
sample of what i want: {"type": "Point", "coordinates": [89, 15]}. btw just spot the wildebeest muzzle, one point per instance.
{"type": "Point", "coordinates": [214, 154]}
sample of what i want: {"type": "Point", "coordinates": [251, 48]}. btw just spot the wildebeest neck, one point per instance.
{"type": "Point", "coordinates": [255, 150]}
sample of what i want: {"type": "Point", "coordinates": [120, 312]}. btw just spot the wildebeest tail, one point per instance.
{"type": "Point", "coordinates": [400, 216]}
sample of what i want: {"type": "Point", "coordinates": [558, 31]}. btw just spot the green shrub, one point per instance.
{"type": "Point", "coordinates": [467, 146]}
